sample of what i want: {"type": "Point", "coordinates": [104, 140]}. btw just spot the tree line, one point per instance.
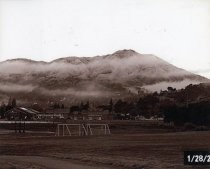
{"type": "Point", "coordinates": [178, 106]}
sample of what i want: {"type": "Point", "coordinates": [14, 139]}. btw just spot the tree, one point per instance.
{"type": "Point", "coordinates": [148, 105]}
{"type": "Point", "coordinates": [118, 107]}
{"type": "Point", "coordinates": [197, 113]}
{"type": "Point", "coordinates": [9, 101]}
{"type": "Point", "coordinates": [62, 106]}
{"type": "Point", "coordinates": [2, 110]}
{"type": "Point", "coordinates": [13, 103]}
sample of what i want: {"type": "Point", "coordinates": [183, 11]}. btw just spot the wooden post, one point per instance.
{"type": "Point", "coordinates": [105, 129]}
{"type": "Point", "coordinates": [24, 127]}
{"type": "Point", "coordinates": [19, 126]}
{"type": "Point", "coordinates": [15, 127]}
{"type": "Point", "coordinates": [58, 129]}
{"type": "Point", "coordinates": [63, 129]}
{"type": "Point", "coordinates": [79, 130]}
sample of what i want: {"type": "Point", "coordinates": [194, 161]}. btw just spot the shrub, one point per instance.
{"type": "Point", "coordinates": [201, 128]}
{"type": "Point", "coordinates": [189, 126]}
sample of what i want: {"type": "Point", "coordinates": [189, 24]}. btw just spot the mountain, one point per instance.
{"type": "Point", "coordinates": [121, 74]}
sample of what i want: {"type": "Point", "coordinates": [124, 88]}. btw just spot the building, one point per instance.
{"type": "Point", "coordinates": [21, 113]}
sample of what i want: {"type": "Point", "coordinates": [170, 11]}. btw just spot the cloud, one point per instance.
{"type": "Point", "coordinates": [91, 77]}
{"type": "Point", "coordinates": [203, 72]}
{"type": "Point", "coordinates": [144, 65]}
{"type": "Point", "coordinates": [13, 88]}
{"type": "Point", "coordinates": [72, 92]}
{"type": "Point", "coordinates": [164, 85]}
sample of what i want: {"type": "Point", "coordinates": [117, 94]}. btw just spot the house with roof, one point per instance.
{"type": "Point", "coordinates": [21, 113]}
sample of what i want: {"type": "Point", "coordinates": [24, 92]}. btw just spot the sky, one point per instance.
{"type": "Point", "coordinates": [177, 31]}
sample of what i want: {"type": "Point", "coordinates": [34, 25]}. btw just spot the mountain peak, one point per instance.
{"type": "Point", "coordinates": [122, 54]}
{"type": "Point", "coordinates": [125, 52]}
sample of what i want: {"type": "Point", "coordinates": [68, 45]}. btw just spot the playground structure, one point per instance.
{"type": "Point", "coordinates": [82, 129]}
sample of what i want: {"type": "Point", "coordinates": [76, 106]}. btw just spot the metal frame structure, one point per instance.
{"type": "Point", "coordinates": [83, 130]}
{"type": "Point", "coordinates": [105, 127]}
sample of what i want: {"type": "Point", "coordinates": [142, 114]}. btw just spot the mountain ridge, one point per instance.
{"type": "Point", "coordinates": [120, 74]}
{"type": "Point", "coordinates": [118, 54]}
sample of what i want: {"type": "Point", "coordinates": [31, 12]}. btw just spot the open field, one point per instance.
{"type": "Point", "coordinates": [130, 148]}
{"type": "Point", "coordinates": [37, 162]}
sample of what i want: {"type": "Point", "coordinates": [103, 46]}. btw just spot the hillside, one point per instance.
{"type": "Point", "coordinates": [120, 74]}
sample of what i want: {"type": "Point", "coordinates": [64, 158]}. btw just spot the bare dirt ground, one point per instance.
{"type": "Point", "coordinates": [129, 150]}
{"type": "Point", "coordinates": [36, 162]}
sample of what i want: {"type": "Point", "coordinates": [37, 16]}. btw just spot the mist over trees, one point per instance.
{"type": "Point", "coordinates": [118, 75]}
{"type": "Point", "coordinates": [189, 105]}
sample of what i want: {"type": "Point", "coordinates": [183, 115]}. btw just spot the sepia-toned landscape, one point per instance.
{"type": "Point", "coordinates": [124, 119]}
{"type": "Point", "coordinates": [121, 84]}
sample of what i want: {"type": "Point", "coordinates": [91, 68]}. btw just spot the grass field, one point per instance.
{"type": "Point", "coordinates": [125, 148]}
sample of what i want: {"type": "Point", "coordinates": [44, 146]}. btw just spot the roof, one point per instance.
{"type": "Point", "coordinates": [23, 110]}
{"type": "Point", "coordinates": [30, 111]}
